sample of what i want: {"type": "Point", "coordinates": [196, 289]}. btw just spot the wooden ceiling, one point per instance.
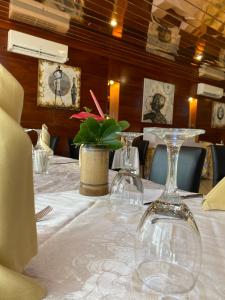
{"type": "Point", "coordinates": [180, 30]}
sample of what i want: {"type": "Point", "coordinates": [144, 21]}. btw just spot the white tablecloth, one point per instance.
{"type": "Point", "coordinates": [119, 158]}
{"type": "Point", "coordinates": [86, 252]}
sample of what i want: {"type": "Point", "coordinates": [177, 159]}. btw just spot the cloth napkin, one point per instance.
{"type": "Point", "coordinates": [45, 139]}
{"type": "Point", "coordinates": [18, 238]}
{"type": "Point", "coordinates": [215, 198]}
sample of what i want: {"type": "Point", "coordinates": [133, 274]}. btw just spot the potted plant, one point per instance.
{"type": "Point", "coordinates": [97, 135]}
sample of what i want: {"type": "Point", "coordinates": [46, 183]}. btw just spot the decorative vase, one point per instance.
{"type": "Point", "coordinates": [94, 165]}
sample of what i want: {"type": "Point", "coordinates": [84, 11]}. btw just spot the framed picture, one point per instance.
{"type": "Point", "coordinates": [58, 85]}
{"type": "Point", "coordinates": [157, 106]}
{"type": "Point", "coordinates": [218, 115]}
{"type": "Point", "coordinates": [163, 41]}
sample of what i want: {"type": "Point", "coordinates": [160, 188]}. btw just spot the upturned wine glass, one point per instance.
{"type": "Point", "coordinates": [126, 192]}
{"type": "Point", "coordinates": [168, 247]}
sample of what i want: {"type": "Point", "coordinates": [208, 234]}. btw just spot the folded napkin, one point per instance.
{"type": "Point", "coordinates": [215, 198]}
{"type": "Point", "coordinates": [45, 139]}
{"type": "Point", "coordinates": [15, 286]}
{"type": "Point", "coordinates": [18, 238]}
{"type": "Point", "coordinates": [45, 136]}
{"type": "Point", "coordinates": [11, 96]}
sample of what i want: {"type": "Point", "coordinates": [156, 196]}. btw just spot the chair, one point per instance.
{"type": "Point", "coordinates": [73, 150]}
{"type": "Point", "coordinates": [218, 162]}
{"type": "Point", "coordinates": [111, 156]}
{"type": "Point", "coordinates": [190, 164]}
{"type": "Point", "coordinates": [54, 142]}
{"type": "Point", "coordinates": [142, 150]}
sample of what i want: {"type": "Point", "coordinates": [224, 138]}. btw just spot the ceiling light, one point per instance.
{"type": "Point", "coordinates": [111, 82]}
{"type": "Point", "coordinates": [113, 22]}
{"type": "Point", "coordinates": [198, 56]}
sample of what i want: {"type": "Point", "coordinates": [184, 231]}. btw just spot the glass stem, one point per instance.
{"type": "Point", "coordinates": [128, 163]}
{"type": "Point", "coordinates": [171, 181]}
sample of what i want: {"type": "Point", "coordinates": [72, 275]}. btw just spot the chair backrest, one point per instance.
{"type": "Point", "coordinates": [54, 142]}
{"type": "Point", "coordinates": [218, 160]}
{"type": "Point", "coordinates": [73, 150]}
{"type": "Point", "coordinates": [142, 149]}
{"type": "Point", "coordinates": [190, 164]}
{"type": "Point", "coordinates": [111, 157]}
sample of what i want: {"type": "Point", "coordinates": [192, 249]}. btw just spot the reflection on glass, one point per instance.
{"type": "Point", "coordinates": [126, 193]}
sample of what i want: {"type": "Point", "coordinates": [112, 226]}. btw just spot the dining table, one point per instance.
{"type": "Point", "coordinates": [86, 251]}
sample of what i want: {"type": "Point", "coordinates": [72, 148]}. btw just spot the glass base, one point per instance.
{"type": "Point", "coordinates": [168, 249]}
{"type": "Point", "coordinates": [139, 290]}
{"type": "Point", "coordinates": [163, 277]}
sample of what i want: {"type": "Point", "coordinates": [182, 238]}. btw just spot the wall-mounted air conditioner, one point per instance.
{"type": "Point", "coordinates": [212, 73]}
{"type": "Point", "coordinates": [209, 91]}
{"type": "Point", "coordinates": [26, 44]}
{"type": "Point", "coordinates": [40, 15]}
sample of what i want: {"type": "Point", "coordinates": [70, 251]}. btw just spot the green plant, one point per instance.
{"type": "Point", "coordinates": [101, 133]}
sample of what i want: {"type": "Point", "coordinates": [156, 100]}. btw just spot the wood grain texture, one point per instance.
{"type": "Point", "coordinates": [100, 59]}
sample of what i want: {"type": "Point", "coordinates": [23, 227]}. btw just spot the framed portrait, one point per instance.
{"type": "Point", "coordinates": [157, 105]}
{"type": "Point", "coordinates": [218, 115]}
{"type": "Point", "coordinates": [58, 85]}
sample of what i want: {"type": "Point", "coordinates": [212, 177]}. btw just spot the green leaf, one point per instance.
{"type": "Point", "coordinates": [84, 135]}
{"type": "Point", "coordinates": [106, 124]}
{"type": "Point", "coordinates": [87, 109]}
{"type": "Point", "coordinates": [102, 133]}
{"type": "Point", "coordinates": [124, 125]}
{"type": "Point", "coordinates": [93, 127]}
{"type": "Point", "coordinates": [89, 130]}
{"type": "Point", "coordinates": [110, 132]}
{"type": "Point", "coordinates": [113, 144]}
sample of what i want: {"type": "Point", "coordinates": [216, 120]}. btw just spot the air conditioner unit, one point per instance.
{"type": "Point", "coordinates": [212, 73]}
{"type": "Point", "coordinates": [209, 91]}
{"type": "Point", "coordinates": [26, 44]}
{"type": "Point", "coordinates": [36, 14]}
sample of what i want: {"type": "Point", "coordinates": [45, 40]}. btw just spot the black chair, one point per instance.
{"type": "Point", "coordinates": [111, 156]}
{"type": "Point", "coordinates": [54, 140]}
{"type": "Point", "coordinates": [73, 150]}
{"type": "Point", "coordinates": [142, 150]}
{"type": "Point", "coordinates": [190, 164]}
{"type": "Point", "coordinates": [218, 161]}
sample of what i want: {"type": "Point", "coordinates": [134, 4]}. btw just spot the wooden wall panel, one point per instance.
{"type": "Point", "coordinates": [204, 113]}
{"type": "Point", "coordinates": [97, 66]}
{"type": "Point", "coordinates": [131, 93]}
{"type": "Point", "coordinates": [94, 73]}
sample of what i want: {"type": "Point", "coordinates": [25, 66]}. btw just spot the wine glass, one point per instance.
{"type": "Point", "coordinates": [126, 192]}
{"type": "Point", "coordinates": [168, 245]}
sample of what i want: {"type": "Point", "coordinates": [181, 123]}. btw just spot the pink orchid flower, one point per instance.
{"type": "Point", "coordinates": [83, 115]}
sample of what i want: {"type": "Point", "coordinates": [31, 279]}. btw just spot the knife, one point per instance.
{"type": "Point", "coordinates": [189, 196]}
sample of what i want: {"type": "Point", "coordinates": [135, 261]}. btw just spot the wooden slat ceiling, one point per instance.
{"type": "Point", "coordinates": [200, 24]}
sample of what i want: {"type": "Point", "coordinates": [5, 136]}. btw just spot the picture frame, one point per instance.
{"type": "Point", "coordinates": [158, 99]}
{"type": "Point", "coordinates": [218, 115]}
{"type": "Point", "coordinates": [58, 85]}
{"type": "Point", "coordinates": [163, 41]}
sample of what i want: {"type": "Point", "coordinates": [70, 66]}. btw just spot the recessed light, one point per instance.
{"type": "Point", "coordinates": [198, 57]}
{"type": "Point", "coordinates": [113, 22]}
{"type": "Point", "coordinates": [111, 82]}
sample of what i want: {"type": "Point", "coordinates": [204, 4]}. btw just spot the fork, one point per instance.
{"type": "Point", "coordinates": [42, 213]}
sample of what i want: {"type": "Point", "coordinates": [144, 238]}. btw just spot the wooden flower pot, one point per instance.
{"type": "Point", "coordinates": [94, 165]}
